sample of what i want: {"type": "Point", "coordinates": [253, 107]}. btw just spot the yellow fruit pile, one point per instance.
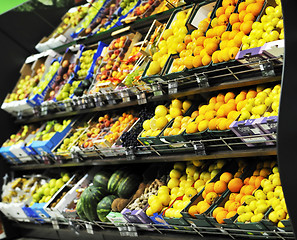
{"type": "Point", "coordinates": [172, 38]}
{"type": "Point", "coordinates": [185, 182]}
{"type": "Point", "coordinates": [152, 127]}
{"type": "Point", "coordinates": [223, 109]}
{"type": "Point", "coordinates": [241, 23]}
{"type": "Point", "coordinates": [271, 196]}
{"type": "Point", "coordinates": [270, 28]}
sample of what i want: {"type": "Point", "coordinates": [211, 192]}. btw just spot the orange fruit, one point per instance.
{"type": "Point", "coordinates": [211, 197]}
{"type": "Point", "coordinates": [211, 47]}
{"type": "Point", "coordinates": [220, 11]}
{"type": "Point", "coordinates": [197, 61]}
{"type": "Point", "coordinates": [233, 206]}
{"type": "Point", "coordinates": [234, 17]}
{"type": "Point", "coordinates": [249, 17]}
{"type": "Point", "coordinates": [200, 41]}
{"type": "Point", "coordinates": [227, 3]}
{"type": "Point", "coordinates": [242, 15]}
{"type": "Point", "coordinates": [194, 114]}
{"type": "Point", "coordinates": [203, 125]}
{"type": "Point", "coordinates": [252, 180]}
{"type": "Point", "coordinates": [221, 216]}
{"type": "Point", "coordinates": [226, 177]}
{"type": "Point", "coordinates": [220, 187]}
{"type": "Point", "coordinates": [228, 203]}
{"type": "Point", "coordinates": [239, 197]}
{"type": "Point", "coordinates": [193, 210]}
{"type": "Point", "coordinates": [229, 107]}
{"type": "Point", "coordinates": [241, 6]}
{"type": "Point", "coordinates": [258, 181]}
{"type": "Point", "coordinates": [233, 196]}
{"type": "Point", "coordinates": [224, 44]}
{"type": "Point", "coordinates": [235, 185]}
{"type": "Point", "coordinates": [223, 19]}
{"type": "Point", "coordinates": [213, 100]}
{"type": "Point", "coordinates": [228, 123]}
{"type": "Point", "coordinates": [236, 26]}
{"type": "Point", "coordinates": [229, 10]}
{"type": "Point", "coordinates": [206, 60]}
{"type": "Point", "coordinates": [264, 172]}
{"type": "Point", "coordinates": [203, 53]}
{"type": "Point", "coordinates": [187, 39]}
{"type": "Point", "coordinates": [233, 33]}
{"type": "Point", "coordinates": [230, 214]}
{"type": "Point", "coordinates": [192, 128]}
{"type": "Point", "coordinates": [249, 189]}
{"type": "Point", "coordinates": [251, 94]}
{"type": "Point", "coordinates": [209, 187]}
{"type": "Point", "coordinates": [238, 38]}
{"type": "Point", "coordinates": [220, 97]}
{"type": "Point", "coordinates": [204, 207]}
{"type": "Point", "coordinates": [218, 105]}
{"type": "Point", "coordinates": [214, 57]}
{"type": "Point", "coordinates": [232, 115]}
{"type": "Point", "coordinates": [233, 52]}
{"type": "Point", "coordinates": [180, 47]}
{"type": "Point", "coordinates": [246, 181]}
{"type": "Point", "coordinates": [222, 124]}
{"type": "Point", "coordinates": [212, 125]}
{"type": "Point", "coordinates": [254, 8]}
{"type": "Point", "coordinates": [228, 96]}
{"type": "Point", "coordinates": [216, 211]}
{"type": "Point", "coordinates": [197, 50]}
{"type": "Point", "coordinates": [203, 25]}
{"type": "Point", "coordinates": [225, 36]}
{"type": "Point", "coordinates": [240, 105]}
{"type": "Point", "coordinates": [199, 119]}
{"type": "Point", "coordinates": [237, 174]}
{"type": "Point", "coordinates": [210, 115]}
{"type": "Point", "coordinates": [246, 27]}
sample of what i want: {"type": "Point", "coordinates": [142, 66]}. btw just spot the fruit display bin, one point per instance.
{"type": "Point", "coordinates": [99, 7]}
{"type": "Point", "coordinates": [14, 211]}
{"type": "Point", "coordinates": [30, 67]}
{"type": "Point", "coordinates": [204, 220]}
{"type": "Point", "coordinates": [41, 147]}
{"type": "Point", "coordinates": [41, 209]}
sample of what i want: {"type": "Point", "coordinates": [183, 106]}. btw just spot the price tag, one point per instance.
{"type": "Point", "coordinates": [267, 68]}
{"type": "Point", "coordinates": [81, 103]}
{"type": "Point", "coordinates": [44, 109]}
{"type": "Point", "coordinates": [20, 115]}
{"type": "Point", "coordinates": [46, 159]}
{"type": "Point", "coordinates": [76, 157]}
{"type": "Point", "coordinates": [157, 89]}
{"type": "Point", "coordinates": [125, 96]}
{"type": "Point", "coordinates": [130, 154]}
{"type": "Point", "coordinates": [91, 103]}
{"type": "Point", "coordinates": [89, 228]}
{"type": "Point", "coordinates": [128, 231]}
{"type": "Point", "coordinates": [36, 111]}
{"type": "Point", "coordinates": [55, 224]}
{"type": "Point", "coordinates": [75, 102]}
{"type": "Point", "coordinates": [110, 99]}
{"type": "Point", "coordinates": [58, 159]}
{"type": "Point", "coordinates": [141, 98]}
{"type": "Point", "coordinates": [199, 148]}
{"type": "Point", "coordinates": [98, 101]}
{"type": "Point", "coordinates": [68, 106]}
{"type": "Point", "coordinates": [202, 80]}
{"type": "Point", "coordinates": [172, 87]}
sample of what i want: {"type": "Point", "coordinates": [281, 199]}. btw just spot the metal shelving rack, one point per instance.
{"type": "Point", "coordinates": [224, 77]}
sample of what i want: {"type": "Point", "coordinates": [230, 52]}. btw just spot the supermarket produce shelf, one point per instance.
{"type": "Point", "coordinates": [209, 149]}
{"type": "Point", "coordinates": [78, 228]}
{"type": "Point", "coordinates": [141, 25]}
{"type": "Point", "coordinates": [218, 79]}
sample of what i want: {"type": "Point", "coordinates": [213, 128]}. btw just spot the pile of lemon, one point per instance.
{"type": "Point", "coordinates": [153, 127]}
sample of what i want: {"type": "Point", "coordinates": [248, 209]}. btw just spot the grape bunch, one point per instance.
{"type": "Point", "coordinates": [129, 139]}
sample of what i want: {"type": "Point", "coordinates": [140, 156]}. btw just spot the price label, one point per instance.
{"type": "Point", "coordinates": [267, 69]}
{"type": "Point", "coordinates": [91, 103]}
{"type": "Point", "coordinates": [55, 224]}
{"type": "Point", "coordinates": [46, 159]}
{"type": "Point", "coordinates": [202, 80]}
{"type": "Point", "coordinates": [58, 159]}
{"type": "Point", "coordinates": [98, 101]}
{"type": "Point", "coordinates": [157, 89]}
{"type": "Point", "coordinates": [128, 231]}
{"type": "Point", "coordinates": [130, 154]}
{"type": "Point", "coordinates": [44, 109]}
{"type": "Point", "coordinates": [125, 96]}
{"type": "Point", "coordinates": [36, 111]}
{"type": "Point", "coordinates": [199, 148]}
{"type": "Point", "coordinates": [76, 157]}
{"type": "Point", "coordinates": [20, 115]}
{"type": "Point", "coordinates": [68, 106]}
{"type": "Point", "coordinates": [110, 99]}
{"type": "Point", "coordinates": [82, 103]}
{"type": "Point", "coordinates": [89, 228]}
{"type": "Point", "coordinates": [172, 87]}
{"type": "Point", "coordinates": [141, 98]}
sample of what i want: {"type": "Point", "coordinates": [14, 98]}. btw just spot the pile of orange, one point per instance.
{"type": "Point", "coordinates": [241, 26]}
{"type": "Point", "coordinates": [213, 190]}
{"type": "Point", "coordinates": [239, 192]}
